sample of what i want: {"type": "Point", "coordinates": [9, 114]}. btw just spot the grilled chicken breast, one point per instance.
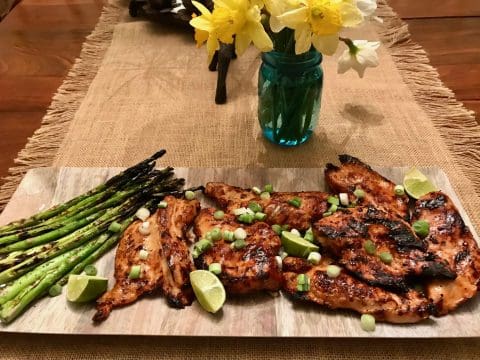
{"type": "Point", "coordinates": [277, 208]}
{"type": "Point", "coordinates": [379, 192]}
{"type": "Point", "coordinates": [167, 265]}
{"type": "Point", "coordinates": [345, 233]}
{"type": "Point", "coordinates": [451, 240]}
{"type": "Point", "coordinates": [245, 270]}
{"type": "Point", "coordinates": [347, 292]}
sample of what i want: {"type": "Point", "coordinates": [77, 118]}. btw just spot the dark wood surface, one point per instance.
{"type": "Point", "coordinates": [39, 40]}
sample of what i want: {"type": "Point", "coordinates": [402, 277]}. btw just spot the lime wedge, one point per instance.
{"type": "Point", "coordinates": [416, 184]}
{"type": "Point", "coordinates": [83, 288]}
{"type": "Point", "coordinates": [296, 245]}
{"type": "Point", "coordinates": [208, 289]}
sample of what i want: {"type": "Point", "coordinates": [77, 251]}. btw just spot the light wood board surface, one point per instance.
{"type": "Point", "coordinates": [259, 315]}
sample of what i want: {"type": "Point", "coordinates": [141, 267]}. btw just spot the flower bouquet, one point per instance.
{"type": "Point", "coordinates": [293, 36]}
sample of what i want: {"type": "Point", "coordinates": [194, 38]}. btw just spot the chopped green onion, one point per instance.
{"type": "Point", "coordinates": [201, 246]}
{"type": "Point", "coordinates": [296, 201]}
{"type": "Point", "coordinates": [215, 268]}
{"type": "Point", "coordinates": [55, 290]}
{"type": "Point", "coordinates": [246, 218]}
{"type": "Point", "coordinates": [135, 271]}
{"type": "Point", "coordinates": [260, 216]}
{"type": "Point", "coordinates": [189, 195]}
{"type": "Point", "coordinates": [285, 227]}
{"type": "Point", "coordinates": [309, 235]}
{"type": "Point", "coordinates": [238, 244]}
{"type": "Point", "coordinates": [162, 204]}
{"type": "Point", "coordinates": [277, 229]}
{"type": "Point", "coordinates": [256, 190]}
{"type": "Point", "coordinates": [279, 261]}
{"type": "Point", "coordinates": [255, 207]}
{"type": "Point", "coordinates": [218, 215]}
{"type": "Point", "coordinates": [144, 228]}
{"type": "Point", "coordinates": [90, 270]}
{"type": "Point", "coordinates": [386, 257]}
{"type": "Point", "coordinates": [282, 254]}
{"type": "Point", "coordinates": [142, 213]}
{"type": "Point", "coordinates": [333, 200]}
{"type": "Point", "coordinates": [268, 188]}
{"type": "Point", "coordinates": [359, 193]}
{"type": "Point", "coordinates": [295, 232]}
{"type": "Point", "coordinates": [143, 254]}
{"type": "Point", "coordinates": [240, 234]}
{"type": "Point", "coordinates": [332, 208]}
{"type": "Point", "coordinates": [421, 228]}
{"type": "Point", "coordinates": [216, 234]}
{"type": "Point", "coordinates": [369, 247]}
{"type": "Point", "coordinates": [265, 196]}
{"type": "Point", "coordinates": [314, 258]}
{"type": "Point", "coordinates": [228, 235]}
{"type": "Point", "coordinates": [333, 271]}
{"type": "Point", "coordinates": [399, 190]}
{"type": "Point", "coordinates": [344, 199]}
{"type": "Point", "coordinates": [114, 227]}
{"type": "Point", "coordinates": [196, 253]}
{"type": "Point", "coordinates": [325, 214]}
{"type": "Point", "coordinates": [367, 322]}
{"type": "Point", "coordinates": [303, 283]}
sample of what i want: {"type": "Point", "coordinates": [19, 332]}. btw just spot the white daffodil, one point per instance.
{"type": "Point", "coordinates": [359, 55]}
{"type": "Point", "coordinates": [367, 8]}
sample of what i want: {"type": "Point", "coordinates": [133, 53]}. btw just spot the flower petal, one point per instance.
{"type": "Point", "coordinates": [294, 18]}
{"type": "Point", "coordinates": [326, 44]}
{"type": "Point", "coordinates": [275, 25]}
{"type": "Point", "coordinates": [212, 46]}
{"type": "Point", "coordinates": [201, 36]}
{"type": "Point", "coordinates": [351, 16]}
{"type": "Point", "coordinates": [242, 42]}
{"type": "Point", "coordinates": [200, 22]}
{"type": "Point", "coordinates": [345, 62]}
{"type": "Point", "coordinates": [202, 8]}
{"type": "Point", "coordinates": [303, 39]}
{"type": "Point", "coordinates": [260, 38]}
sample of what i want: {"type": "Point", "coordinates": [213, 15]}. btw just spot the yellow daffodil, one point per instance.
{"type": "Point", "coordinates": [276, 8]}
{"type": "Point", "coordinates": [318, 22]}
{"type": "Point", "coordinates": [231, 18]}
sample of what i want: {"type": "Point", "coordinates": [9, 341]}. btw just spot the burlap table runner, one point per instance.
{"type": "Point", "coordinates": [140, 86]}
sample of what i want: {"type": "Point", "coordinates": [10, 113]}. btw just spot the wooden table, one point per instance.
{"type": "Point", "coordinates": [40, 40]}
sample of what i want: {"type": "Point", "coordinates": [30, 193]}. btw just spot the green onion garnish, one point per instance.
{"type": "Point", "coordinates": [399, 190]}
{"type": "Point", "coordinates": [421, 228]}
{"type": "Point", "coordinates": [309, 235]}
{"type": "Point", "coordinates": [260, 216]}
{"type": "Point", "coordinates": [325, 214]}
{"type": "Point", "coordinates": [385, 257]}
{"type": "Point", "coordinates": [218, 215]}
{"type": "Point", "coordinates": [55, 290]}
{"type": "Point", "coordinates": [314, 258]}
{"type": "Point", "coordinates": [216, 234]}
{"type": "Point", "coordinates": [367, 322]}
{"type": "Point", "coordinates": [268, 188]}
{"type": "Point", "coordinates": [135, 271]}
{"type": "Point", "coordinates": [162, 204]}
{"type": "Point", "coordinates": [333, 271]}
{"type": "Point", "coordinates": [240, 234]}
{"type": "Point", "coordinates": [256, 190]}
{"type": "Point", "coordinates": [359, 193]}
{"type": "Point", "coordinates": [369, 247]}
{"type": "Point", "coordinates": [90, 270]}
{"type": "Point", "coordinates": [143, 254]}
{"type": "Point", "coordinates": [114, 227]}
{"type": "Point", "coordinates": [296, 201]}
{"type": "Point", "coordinates": [333, 200]}
{"type": "Point", "coordinates": [239, 244]}
{"type": "Point", "coordinates": [255, 207]}
{"type": "Point", "coordinates": [228, 235]}
{"type": "Point", "coordinates": [215, 268]}
{"type": "Point", "coordinates": [189, 195]}
{"type": "Point", "coordinates": [200, 247]}
{"type": "Point", "coordinates": [303, 283]}
{"type": "Point", "coordinates": [246, 218]}
{"type": "Point", "coordinates": [332, 208]}
{"type": "Point", "coordinates": [277, 229]}
{"type": "Point", "coordinates": [265, 196]}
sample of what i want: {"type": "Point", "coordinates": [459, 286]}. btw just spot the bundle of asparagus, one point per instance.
{"type": "Point", "coordinates": [40, 252]}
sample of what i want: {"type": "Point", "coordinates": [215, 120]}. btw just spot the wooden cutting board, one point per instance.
{"type": "Point", "coordinates": [259, 315]}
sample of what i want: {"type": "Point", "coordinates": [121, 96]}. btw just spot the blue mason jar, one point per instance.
{"type": "Point", "coordinates": [289, 96]}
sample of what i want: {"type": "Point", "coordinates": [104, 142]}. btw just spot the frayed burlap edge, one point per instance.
{"type": "Point", "coordinates": [43, 145]}
{"type": "Point", "coordinates": [456, 124]}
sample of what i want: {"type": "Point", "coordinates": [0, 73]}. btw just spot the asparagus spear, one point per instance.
{"type": "Point", "coordinates": [55, 210]}
{"type": "Point", "coordinates": [38, 255]}
{"type": "Point", "coordinates": [77, 220]}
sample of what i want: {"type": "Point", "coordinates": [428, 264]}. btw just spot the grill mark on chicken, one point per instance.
{"type": "Point", "coordinates": [379, 191]}
{"type": "Point", "coordinates": [453, 242]}
{"type": "Point", "coordinates": [167, 265]}
{"type": "Point", "coordinates": [246, 270]}
{"type": "Point", "coordinates": [277, 208]}
{"type": "Point", "coordinates": [347, 292]}
{"type": "Point", "coordinates": [344, 233]}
